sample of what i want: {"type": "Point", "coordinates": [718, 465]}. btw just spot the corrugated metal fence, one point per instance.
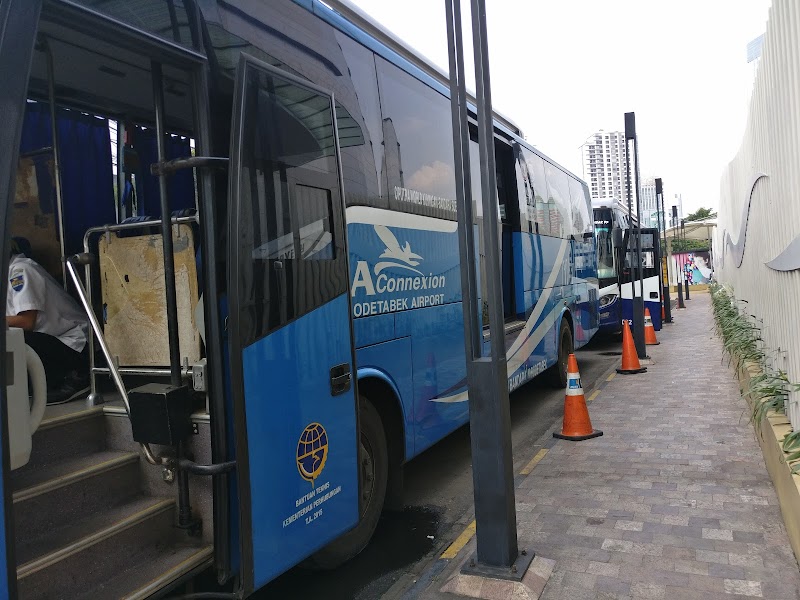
{"type": "Point", "coordinates": [758, 235]}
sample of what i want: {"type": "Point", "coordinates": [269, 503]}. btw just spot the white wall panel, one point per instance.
{"type": "Point", "coordinates": [771, 144]}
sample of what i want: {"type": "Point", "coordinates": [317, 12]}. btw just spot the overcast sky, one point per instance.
{"type": "Point", "coordinates": [563, 69]}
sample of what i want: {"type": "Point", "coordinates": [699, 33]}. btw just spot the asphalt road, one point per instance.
{"type": "Point", "coordinates": [438, 498]}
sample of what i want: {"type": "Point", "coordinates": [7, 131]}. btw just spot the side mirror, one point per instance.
{"type": "Point", "coordinates": [616, 238]}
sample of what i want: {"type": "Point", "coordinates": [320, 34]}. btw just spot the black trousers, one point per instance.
{"type": "Point", "coordinates": [58, 359]}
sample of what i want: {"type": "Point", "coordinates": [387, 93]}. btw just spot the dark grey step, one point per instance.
{"type": "Point", "coordinates": [94, 560]}
{"type": "Point", "coordinates": [66, 531]}
{"type": "Point", "coordinates": [156, 572]}
{"type": "Point", "coordinates": [71, 489]}
{"type": "Point", "coordinates": [66, 434]}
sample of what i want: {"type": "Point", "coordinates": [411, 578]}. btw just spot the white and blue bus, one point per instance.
{"type": "Point", "coordinates": [291, 164]}
{"type": "Point", "coordinates": [651, 274]}
{"type": "Point", "coordinates": [612, 226]}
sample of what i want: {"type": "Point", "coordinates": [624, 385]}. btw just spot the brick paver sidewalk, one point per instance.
{"type": "Point", "coordinates": [674, 501]}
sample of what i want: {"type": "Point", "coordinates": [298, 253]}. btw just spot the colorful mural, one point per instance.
{"type": "Point", "coordinates": [695, 266]}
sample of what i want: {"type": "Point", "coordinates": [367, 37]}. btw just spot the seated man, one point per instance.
{"type": "Point", "coordinates": [55, 326]}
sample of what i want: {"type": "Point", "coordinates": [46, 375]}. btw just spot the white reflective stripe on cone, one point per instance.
{"type": "Point", "coordinates": [574, 384]}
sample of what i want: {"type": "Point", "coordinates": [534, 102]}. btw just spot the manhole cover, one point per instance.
{"type": "Point", "coordinates": [611, 353]}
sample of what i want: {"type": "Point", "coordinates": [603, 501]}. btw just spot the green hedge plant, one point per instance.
{"type": "Point", "coordinates": [741, 339]}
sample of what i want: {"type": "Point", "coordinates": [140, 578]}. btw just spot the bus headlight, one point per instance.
{"type": "Point", "coordinates": [607, 299]}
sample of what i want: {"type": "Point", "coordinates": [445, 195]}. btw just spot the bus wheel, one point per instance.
{"type": "Point", "coordinates": [374, 476]}
{"type": "Point", "coordinates": [558, 372]}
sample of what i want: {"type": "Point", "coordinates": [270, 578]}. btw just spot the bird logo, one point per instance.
{"type": "Point", "coordinates": [402, 258]}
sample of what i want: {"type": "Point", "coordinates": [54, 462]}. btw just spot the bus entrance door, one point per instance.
{"type": "Point", "coordinates": [291, 343]}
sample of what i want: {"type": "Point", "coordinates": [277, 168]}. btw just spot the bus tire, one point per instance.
{"type": "Point", "coordinates": [557, 374]}
{"type": "Point", "coordinates": [374, 475]}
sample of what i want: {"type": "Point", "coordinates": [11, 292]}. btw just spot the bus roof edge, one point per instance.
{"type": "Point", "coordinates": [362, 20]}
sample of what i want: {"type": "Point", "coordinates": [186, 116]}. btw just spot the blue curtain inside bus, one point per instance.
{"type": "Point", "coordinates": [86, 177]}
{"type": "Point", "coordinates": [180, 185]}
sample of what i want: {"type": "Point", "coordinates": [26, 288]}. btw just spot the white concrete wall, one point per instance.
{"type": "Point", "coordinates": [771, 145]}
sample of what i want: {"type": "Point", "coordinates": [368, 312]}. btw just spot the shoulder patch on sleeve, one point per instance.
{"type": "Point", "coordinates": [17, 281]}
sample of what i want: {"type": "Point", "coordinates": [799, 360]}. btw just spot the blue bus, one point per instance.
{"type": "Point", "coordinates": [254, 202]}
{"type": "Point", "coordinates": [612, 233]}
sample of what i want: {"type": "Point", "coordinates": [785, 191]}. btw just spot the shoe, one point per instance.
{"type": "Point", "coordinates": [74, 386]}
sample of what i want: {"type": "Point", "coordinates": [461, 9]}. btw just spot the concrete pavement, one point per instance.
{"type": "Point", "coordinates": [674, 501]}
{"type": "Point", "coordinates": [438, 499]}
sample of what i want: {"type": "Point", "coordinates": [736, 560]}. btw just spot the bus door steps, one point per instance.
{"type": "Point", "coordinates": [509, 327]}
{"type": "Point", "coordinates": [66, 434]}
{"type": "Point", "coordinates": [67, 533]}
{"type": "Point", "coordinates": [69, 490]}
{"type": "Point", "coordinates": [513, 326]}
{"type": "Point", "coordinates": [85, 521]}
{"type": "Point", "coordinates": [150, 577]}
{"type": "Point", "coordinates": [91, 560]}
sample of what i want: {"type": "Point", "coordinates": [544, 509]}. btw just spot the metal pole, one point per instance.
{"type": "Point", "coordinates": [214, 338]}
{"type": "Point", "coordinates": [185, 519]}
{"type": "Point", "coordinates": [678, 273]}
{"type": "Point", "coordinates": [683, 271]}
{"type": "Point", "coordinates": [627, 243]}
{"type": "Point", "coordinates": [638, 301]}
{"type": "Point", "coordinates": [51, 98]}
{"type": "Point", "coordinates": [638, 304]}
{"type": "Point", "coordinates": [490, 422]}
{"type": "Point", "coordinates": [166, 232]}
{"type": "Point", "coordinates": [473, 337]}
{"type": "Point", "coordinates": [662, 223]}
{"type": "Point", "coordinates": [493, 475]}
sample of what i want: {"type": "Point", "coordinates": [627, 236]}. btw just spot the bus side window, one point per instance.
{"type": "Point", "coordinates": [510, 218]}
{"type": "Point", "coordinates": [527, 202]}
{"type": "Point", "coordinates": [541, 209]}
{"type": "Point", "coordinates": [418, 144]}
{"type": "Point", "coordinates": [506, 184]}
{"type": "Point", "coordinates": [558, 201]}
{"type": "Point", "coordinates": [291, 257]}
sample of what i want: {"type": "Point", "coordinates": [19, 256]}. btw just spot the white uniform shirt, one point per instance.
{"type": "Point", "coordinates": [30, 287]}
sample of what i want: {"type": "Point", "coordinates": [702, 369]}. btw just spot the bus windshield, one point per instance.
{"type": "Point", "coordinates": [603, 225]}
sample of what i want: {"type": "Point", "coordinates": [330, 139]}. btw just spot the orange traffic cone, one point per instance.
{"type": "Point", "coordinates": [649, 330]}
{"type": "Point", "coordinates": [630, 358]}
{"type": "Point", "coordinates": [663, 313]}
{"type": "Point", "coordinates": [577, 425]}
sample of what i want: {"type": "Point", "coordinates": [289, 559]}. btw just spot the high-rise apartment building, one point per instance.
{"type": "Point", "coordinates": [649, 206]}
{"type": "Point", "coordinates": [604, 165]}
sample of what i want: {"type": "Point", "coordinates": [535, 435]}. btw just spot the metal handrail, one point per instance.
{"type": "Point", "coordinates": [186, 372]}
{"type": "Point", "coordinates": [124, 226]}
{"type": "Point", "coordinates": [85, 259]}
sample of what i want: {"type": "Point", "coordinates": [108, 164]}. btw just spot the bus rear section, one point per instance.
{"type": "Point", "coordinates": [649, 288]}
